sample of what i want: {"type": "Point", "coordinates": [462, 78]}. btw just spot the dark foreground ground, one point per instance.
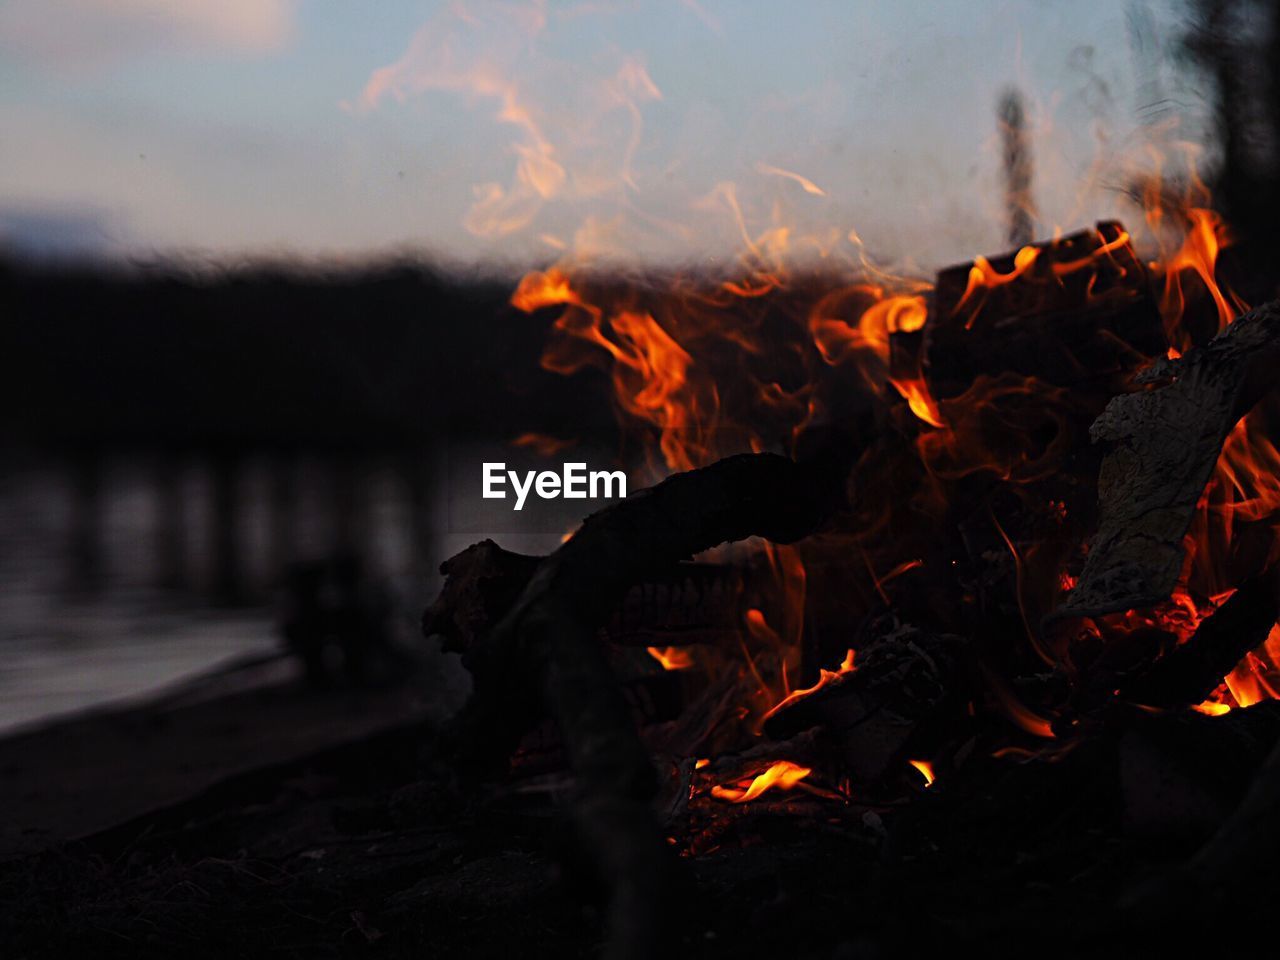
{"type": "Point", "coordinates": [318, 855]}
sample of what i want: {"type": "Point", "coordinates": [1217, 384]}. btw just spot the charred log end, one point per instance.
{"type": "Point", "coordinates": [481, 584]}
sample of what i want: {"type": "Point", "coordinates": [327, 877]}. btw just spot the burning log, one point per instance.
{"type": "Point", "coordinates": [731, 797]}
{"type": "Point", "coordinates": [1164, 443]}
{"type": "Point", "coordinates": [684, 604]}
{"type": "Point", "coordinates": [692, 603]}
{"type": "Point", "coordinates": [902, 682]}
{"type": "Point", "coordinates": [1189, 673]}
{"type": "Point", "coordinates": [535, 630]}
{"type": "Point", "coordinates": [1070, 312]}
{"type": "Point", "coordinates": [750, 495]}
{"type": "Point", "coordinates": [545, 652]}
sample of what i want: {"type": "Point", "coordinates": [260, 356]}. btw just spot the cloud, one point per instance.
{"type": "Point", "coordinates": [77, 34]}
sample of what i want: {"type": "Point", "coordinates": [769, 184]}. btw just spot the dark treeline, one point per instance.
{"type": "Point", "coordinates": [327, 378]}
{"type": "Point", "coordinates": [392, 355]}
{"type": "Point", "coordinates": [1235, 45]}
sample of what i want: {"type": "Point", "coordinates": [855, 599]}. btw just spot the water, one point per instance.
{"type": "Point", "coordinates": [67, 645]}
{"type": "Point", "coordinates": [78, 656]}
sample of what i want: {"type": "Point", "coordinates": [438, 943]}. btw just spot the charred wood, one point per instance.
{"type": "Point", "coordinates": [481, 584]}
{"type": "Point", "coordinates": [1080, 313]}
{"type": "Point", "coordinates": [1188, 673]}
{"type": "Point", "coordinates": [1163, 445]}
{"type": "Point", "coordinates": [762, 494]}
{"type": "Point", "coordinates": [690, 603]}
{"type": "Point", "coordinates": [903, 682]}
{"type": "Point", "coordinates": [687, 603]}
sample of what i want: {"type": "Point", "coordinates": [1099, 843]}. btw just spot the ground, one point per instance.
{"type": "Point", "coordinates": [311, 857]}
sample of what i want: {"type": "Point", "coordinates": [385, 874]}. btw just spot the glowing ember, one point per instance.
{"type": "Point", "coordinates": [1248, 682]}
{"type": "Point", "coordinates": [1212, 708]}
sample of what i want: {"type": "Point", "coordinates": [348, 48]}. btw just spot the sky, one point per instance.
{"type": "Point", "coordinates": [520, 132]}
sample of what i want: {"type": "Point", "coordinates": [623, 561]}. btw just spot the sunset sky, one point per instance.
{"type": "Point", "coordinates": [519, 132]}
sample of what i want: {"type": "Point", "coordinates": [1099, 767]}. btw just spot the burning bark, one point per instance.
{"type": "Point", "coordinates": [750, 495]}
{"type": "Point", "coordinates": [1164, 443]}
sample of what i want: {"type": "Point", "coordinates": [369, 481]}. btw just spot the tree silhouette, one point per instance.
{"type": "Point", "coordinates": [1235, 46]}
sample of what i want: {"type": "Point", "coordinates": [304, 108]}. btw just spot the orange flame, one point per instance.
{"type": "Point", "coordinates": [926, 770]}
{"type": "Point", "coordinates": [983, 277]}
{"type": "Point", "coordinates": [782, 775]}
{"type": "Point", "coordinates": [650, 369]}
{"type": "Point", "coordinates": [537, 290]}
{"type": "Point", "coordinates": [1205, 238]}
{"type": "Point", "coordinates": [1249, 682]}
{"type": "Point", "coordinates": [1212, 708]}
{"type": "Point", "coordinates": [542, 444]}
{"type": "Point", "coordinates": [838, 340]}
{"type": "Point", "coordinates": [825, 677]}
{"type": "Point", "coordinates": [671, 658]}
{"type": "Point", "coordinates": [1017, 711]}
